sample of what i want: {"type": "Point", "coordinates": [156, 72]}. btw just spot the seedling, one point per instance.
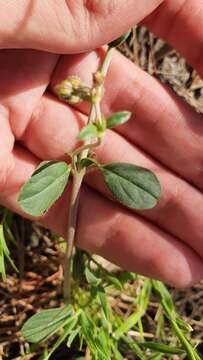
{"type": "Point", "coordinates": [133, 186]}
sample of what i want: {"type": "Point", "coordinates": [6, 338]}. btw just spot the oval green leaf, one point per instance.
{"type": "Point", "coordinates": [88, 132]}
{"type": "Point", "coordinates": [44, 324]}
{"type": "Point", "coordinates": [91, 277]}
{"type": "Point", "coordinates": [133, 186]}
{"type": "Point", "coordinates": [118, 118]}
{"type": "Point", "coordinates": [44, 187]}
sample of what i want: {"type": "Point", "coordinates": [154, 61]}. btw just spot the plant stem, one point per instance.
{"type": "Point", "coordinates": [107, 61]}
{"type": "Point", "coordinates": [88, 147]}
{"type": "Point", "coordinates": [192, 355]}
{"type": "Point", "coordinates": [71, 232]}
{"type": "Point", "coordinates": [78, 177]}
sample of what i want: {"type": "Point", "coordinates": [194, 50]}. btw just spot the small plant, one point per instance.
{"type": "Point", "coordinates": [87, 316]}
{"type": "Point", "coordinates": [133, 186]}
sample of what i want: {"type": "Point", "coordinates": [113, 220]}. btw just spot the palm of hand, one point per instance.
{"type": "Point", "coordinates": [165, 242]}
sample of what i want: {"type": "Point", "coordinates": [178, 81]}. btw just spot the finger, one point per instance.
{"type": "Point", "coordinates": [180, 23]}
{"type": "Point", "coordinates": [52, 129]}
{"type": "Point", "coordinates": [179, 202]}
{"type": "Point", "coordinates": [121, 237]}
{"type": "Point", "coordinates": [156, 112]}
{"type": "Point", "coordinates": [25, 75]}
{"type": "Point", "coordinates": [6, 146]}
{"type": "Point", "coordinates": [68, 26]}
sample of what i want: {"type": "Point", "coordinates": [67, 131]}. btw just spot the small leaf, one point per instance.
{"type": "Point", "coordinates": [131, 321]}
{"type": "Point", "coordinates": [44, 187]}
{"type": "Point", "coordinates": [72, 336]}
{"type": "Point", "coordinates": [115, 282]}
{"type": "Point", "coordinates": [44, 324]}
{"type": "Point", "coordinates": [104, 302]}
{"type": "Point", "coordinates": [89, 162]}
{"type": "Point", "coordinates": [126, 276]}
{"type": "Point", "coordinates": [120, 40]}
{"type": "Point", "coordinates": [118, 118]}
{"type": "Point", "coordinates": [91, 277]}
{"type": "Point", "coordinates": [88, 132]}
{"type": "Point", "coordinates": [133, 186]}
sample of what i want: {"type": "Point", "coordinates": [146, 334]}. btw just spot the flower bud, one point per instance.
{"type": "Point", "coordinates": [74, 99]}
{"type": "Point", "coordinates": [75, 82]}
{"type": "Point", "coordinates": [64, 90]}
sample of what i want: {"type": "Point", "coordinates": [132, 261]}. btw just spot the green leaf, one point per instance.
{"type": "Point", "coordinates": [91, 277]}
{"type": "Point", "coordinates": [115, 282]}
{"type": "Point", "coordinates": [72, 336]}
{"type": "Point", "coordinates": [103, 341]}
{"type": "Point", "coordinates": [4, 254]}
{"type": "Point", "coordinates": [155, 357]}
{"type": "Point", "coordinates": [126, 276]}
{"type": "Point", "coordinates": [88, 331]}
{"type": "Point", "coordinates": [165, 349]}
{"type": "Point", "coordinates": [145, 294]}
{"type": "Point", "coordinates": [104, 302]}
{"type": "Point", "coordinates": [44, 187]}
{"type": "Point", "coordinates": [120, 40]}
{"type": "Point", "coordinates": [44, 324]}
{"type": "Point", "coordinates": [88, 132]}
{"type": "Point", "coordinates": [134, 318]}
{"type": "Point", "coordinates": [116, 352]}
{"type": "Point", "coordinates": [165, 298]}
{"type": "Point", "coordinates": [128, 324]}
{"type": "Point", "coordinates": [133, 186]}
{"type": "Point", "coordinates": [70, 324]}
{"type": "Point", "coordinates": [118, 118]}
{"type": "Point", "coordinates": [134, 347]}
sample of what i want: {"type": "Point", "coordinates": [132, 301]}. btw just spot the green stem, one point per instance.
{"type": "Point", "coordinates": [107, 61]}
{"type": "Point", "coordinates": [192, 354]}
{"type": "Point", "coordinates": [78, 177]}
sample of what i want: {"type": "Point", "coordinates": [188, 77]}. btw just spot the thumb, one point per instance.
{"type": "Point", "coordinates": [68, 26]}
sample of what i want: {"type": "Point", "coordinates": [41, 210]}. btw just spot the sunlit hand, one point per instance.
{"type": "Point", "coordinates": [164, 134]}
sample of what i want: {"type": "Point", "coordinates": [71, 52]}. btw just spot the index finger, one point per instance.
{"type": "Point", "coordinates": [180, 22]}
{"type": "Point", "coordinates": [68, 26]}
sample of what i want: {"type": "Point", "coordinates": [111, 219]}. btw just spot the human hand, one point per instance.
{"type": "Point", "coordinates": [165, 242]}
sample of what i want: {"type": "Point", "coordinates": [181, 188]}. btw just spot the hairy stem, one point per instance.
{"type": "Point", "coordinates": [71, 232]}
{"type": "Point", "coordinates": [78, 176]}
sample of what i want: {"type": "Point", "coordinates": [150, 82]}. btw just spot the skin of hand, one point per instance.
{"type": "Point", "coordinates": [164, 133]}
